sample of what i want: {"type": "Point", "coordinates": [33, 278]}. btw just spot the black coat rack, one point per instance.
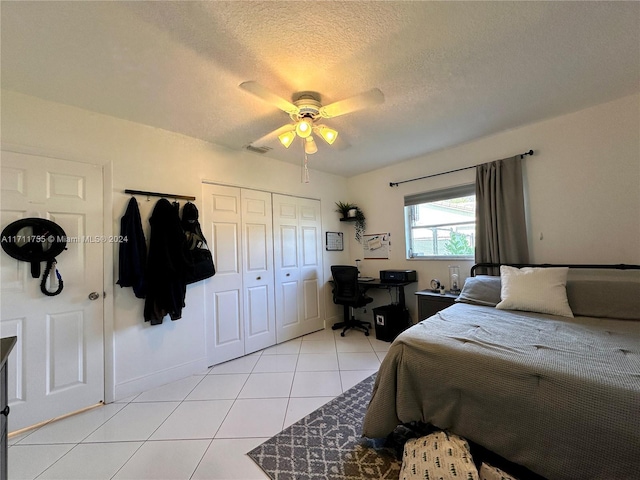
{"type": "Point", "coordinates": [158, 194]}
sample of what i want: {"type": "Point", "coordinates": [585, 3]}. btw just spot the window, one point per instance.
{"type": "Point", "coordinates": [441, 224]}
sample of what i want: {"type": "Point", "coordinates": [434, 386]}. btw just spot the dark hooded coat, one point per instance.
{"type": "Point", "coordinates": [132, 261]}
{"type": "Point", "coordinates": [166, 265]}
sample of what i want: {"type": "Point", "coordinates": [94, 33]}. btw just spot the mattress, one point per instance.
{"type": "Point", "coordinates": [558, 395]}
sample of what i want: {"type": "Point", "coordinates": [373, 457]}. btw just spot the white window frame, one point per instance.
{"type": "Point", "coordinates": [428, 197]}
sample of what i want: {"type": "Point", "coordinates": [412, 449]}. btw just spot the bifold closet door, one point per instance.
{"type": "Point", "coordinates": [297, 233]}
{"type": "Point", "coordinates": [258, 278]}
{"type": "Point", "coordinates": [239, 298]}
{"type": "Point", "coordinates": [222, 226]}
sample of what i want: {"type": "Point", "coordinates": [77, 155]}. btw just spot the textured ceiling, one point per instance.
{"type": "Point", "coordinates": [450, 71]}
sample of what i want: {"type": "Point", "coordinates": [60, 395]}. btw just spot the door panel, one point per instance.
{"type": "Point", "coordinates": [311, 265]}
{"type": "Point", "coordinates": [309, 247]}
{"type": "Point", "coordinates": [257, 248]}
{"type": "Point", "coordinates": [258, 279]}
{"type": "Point", "coordinates": [290, 306]}
{"type": "Point", "coordinates": [225, 241]}
{"type": "Point", "coordinates": [224, 318]}
{"type": "Point", "coordinates": [229, 328]}
{"type": "Point", "coordinates": [311, 300]}
{"type": "Point", "coordinates": [258, 303]}
{"type": "Point", "coordinates": [298, 254]}
{"type": "Point", "coordinates": [57, 366]}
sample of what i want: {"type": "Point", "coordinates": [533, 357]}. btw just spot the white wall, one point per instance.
{"type": "Point", "coordinates": [145, 158]}
{"type": "Point", "coordinates": [583, 189]}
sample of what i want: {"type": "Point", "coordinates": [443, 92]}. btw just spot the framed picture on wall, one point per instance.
{"type": "Point", "coordinates": [335, 242]}
{"type": "Point", "coordinates": [376, 246]}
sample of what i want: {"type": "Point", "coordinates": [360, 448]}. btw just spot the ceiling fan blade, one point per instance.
{"type": "Point", "coordinates": [269, 137]}
{"type": "Point", "coordinates": [265, 94]}
{"type": "Point", "coordinates": [352, 104]}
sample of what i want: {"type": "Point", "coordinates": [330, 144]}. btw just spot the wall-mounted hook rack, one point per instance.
{"type": "Point", "coordinates": [158, 194]}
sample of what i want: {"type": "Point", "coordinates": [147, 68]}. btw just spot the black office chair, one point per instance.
{"type": "Point", "coordinates": [347, 292]}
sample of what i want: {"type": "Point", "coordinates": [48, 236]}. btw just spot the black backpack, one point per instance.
{"type": "Point", "coordinates": [199, 259]}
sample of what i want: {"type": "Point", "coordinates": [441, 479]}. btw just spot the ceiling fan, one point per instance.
{"type": "Point", "coordinates": [305, 111]}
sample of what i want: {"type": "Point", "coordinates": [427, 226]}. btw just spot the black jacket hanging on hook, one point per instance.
{"type": "Point", "coordinates": [133, 252]}
{"type": "Point", "coordinates": [166, 265]}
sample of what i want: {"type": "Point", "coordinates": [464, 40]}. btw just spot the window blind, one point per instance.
{"type": "Point", "coordinates": [437, 195]}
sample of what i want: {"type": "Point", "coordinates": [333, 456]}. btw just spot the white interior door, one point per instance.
{"type": "Point", "coordinates": [258, 279]}
{"type": "Point", "coordinates": [57, 366]}
{"type": "Point", "coordinates": [221, 225]}
{"type": "Point", "coordinates": [298, 258]}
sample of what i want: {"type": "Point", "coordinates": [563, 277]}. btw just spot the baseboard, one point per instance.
{"type": "Point", "coordinates": [156, 379]}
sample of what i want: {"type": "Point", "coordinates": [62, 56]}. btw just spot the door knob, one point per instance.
{"type": "Point", "coordinates": [94, 296]}
{"type": "Point", "coordinates": [288, 274]}
{"type": "Point", "coordinates": [258, 278]}
{"type": "Point", "coordinates": [5, 411]}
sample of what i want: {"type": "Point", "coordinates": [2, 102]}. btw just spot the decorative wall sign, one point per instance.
{"type": "Point", "coordinates": [335, 242]}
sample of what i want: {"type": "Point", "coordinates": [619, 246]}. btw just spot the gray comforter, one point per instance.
{"type": "Point", "coordinates": [560, 396]}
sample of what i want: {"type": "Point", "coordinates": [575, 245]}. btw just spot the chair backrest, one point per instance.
{"type": "Point", "coordinates": [346, 288]}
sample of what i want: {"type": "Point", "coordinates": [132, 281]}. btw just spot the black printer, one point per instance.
{"type": "Point", "coordinates": [398, 276]}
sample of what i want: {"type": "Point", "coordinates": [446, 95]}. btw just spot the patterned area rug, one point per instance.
{"type": "Point", "coordinates": [327, 444]}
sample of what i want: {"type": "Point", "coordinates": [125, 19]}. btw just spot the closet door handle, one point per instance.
{"type": "Point", "coordinates": [288, 274]}
{"type": "Point", "coordinates": [258, 278]}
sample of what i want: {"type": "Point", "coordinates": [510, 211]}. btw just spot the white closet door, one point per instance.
{"type": "Point", "coordinates": [298, 257]}
{"type": "Point", "coordinates": [221, 225]}
{"type": "Point", "coordinates": [311, 273]}
{"type": "Point", "coordinates": [258, 278]}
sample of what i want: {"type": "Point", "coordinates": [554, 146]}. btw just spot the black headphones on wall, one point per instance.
{"type": "Point", "coordinates": [36, 240]}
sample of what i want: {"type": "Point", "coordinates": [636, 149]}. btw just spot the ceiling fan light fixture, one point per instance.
{"type": "Point", "coordinates": [304, 127]}
{"type": "Point", "coordinates": [310, 146]}
{"type": "Point", "coordinates": [287, 138]}
{"type": "Point", "coordinates": [329, 135]}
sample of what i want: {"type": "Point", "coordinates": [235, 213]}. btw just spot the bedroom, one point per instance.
{"type": "Point", "coordinates": [583, 182]}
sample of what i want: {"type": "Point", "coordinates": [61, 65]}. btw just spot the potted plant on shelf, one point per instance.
{"type": "Point", "coordinates": [348, 210]}
{"type": "Point", "coordinates": [351, 211]}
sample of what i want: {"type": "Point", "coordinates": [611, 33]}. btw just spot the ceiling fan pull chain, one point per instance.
{"type": "Point", "coordinates": [305, 169]}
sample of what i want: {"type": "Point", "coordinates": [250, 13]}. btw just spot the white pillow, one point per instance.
{"type": "Point", "coordinates": [542, 290]}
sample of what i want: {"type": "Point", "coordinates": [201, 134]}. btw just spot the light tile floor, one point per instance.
{"type": "Point", "coordinates": [202, 426]}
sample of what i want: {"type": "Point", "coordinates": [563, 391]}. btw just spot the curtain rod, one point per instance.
{"type": "Point", "coordinates": [395, 184]}
{"type": "Point", "coordinates": [158, 194]}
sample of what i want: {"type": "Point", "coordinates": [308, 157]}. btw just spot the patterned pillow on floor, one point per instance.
{"type": "Point", "coordinates": [488, 472]}
{"type": "Point", "coordinates": [440, 455]}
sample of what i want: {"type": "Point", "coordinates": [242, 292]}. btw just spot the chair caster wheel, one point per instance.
{"type": "Point", "coordinates": [342, 334]}
{"type": "Point", "coordinates": [366, 334]}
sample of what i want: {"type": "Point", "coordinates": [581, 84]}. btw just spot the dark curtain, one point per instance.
{"type": "Point", "coordinates": [500, 218]}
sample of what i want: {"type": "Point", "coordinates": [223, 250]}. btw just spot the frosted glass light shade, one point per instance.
{"type": "Point", "coordinates": [287, 138]}
{"type": "Point", "coordinates": [310, 146]}
{"type": "Point", "coordinates": [329, 135]}
{"type": "Point", "coordinates": [303, 128]}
